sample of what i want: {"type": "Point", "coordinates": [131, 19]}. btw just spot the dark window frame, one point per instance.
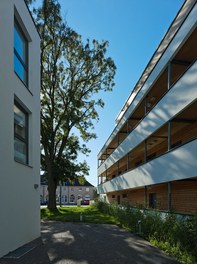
{"type": "Point", "coordinates": [21, 139]}
{"type": "Point", "coordinates": [23, 63]}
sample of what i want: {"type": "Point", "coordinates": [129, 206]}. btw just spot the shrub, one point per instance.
{"type": "Point", "coordinates": [175, 235]}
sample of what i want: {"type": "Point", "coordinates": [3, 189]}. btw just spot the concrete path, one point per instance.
{"type": "Point", "coordinates": [83, 243]}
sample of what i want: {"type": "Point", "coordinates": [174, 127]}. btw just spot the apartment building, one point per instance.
{"type": "Point", "coordinates": [20, 126]}
{"type": "Point", "coordinates": [150, 158]}
{"type": "Point", "coordinates": [69, 192]}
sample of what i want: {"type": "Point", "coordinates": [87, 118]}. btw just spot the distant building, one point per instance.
{"type": "Point", "coordinates": [20, 126]}
{"type": "Point", "coordinates": [150, 158]}
{"type": "Point", "coordinates": [69, 192]}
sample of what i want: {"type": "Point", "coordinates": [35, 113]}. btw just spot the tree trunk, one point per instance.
{"type": "Point", "coordinates": [51, 189]}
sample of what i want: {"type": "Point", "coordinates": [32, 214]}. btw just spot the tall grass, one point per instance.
{"type": "Point", "coordinates": [176, 236]}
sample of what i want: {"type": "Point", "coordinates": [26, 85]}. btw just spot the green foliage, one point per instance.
{"type": "Point", "coordinates": [72, 214]}
{"type": "Point", "coordinates": [175, 235]}
{"type": "Point", "coordinates": [73, 74]}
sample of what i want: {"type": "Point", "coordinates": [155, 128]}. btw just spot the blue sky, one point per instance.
{"type": "Point", "coordinates": [134, 29]}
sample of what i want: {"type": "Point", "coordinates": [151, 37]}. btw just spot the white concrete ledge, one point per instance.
{"type": "Point", "coordinates": [170, 105]}
{"type": "Point", "coordinates": [174, 165]}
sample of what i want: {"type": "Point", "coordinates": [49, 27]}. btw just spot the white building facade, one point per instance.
{"type": "Point", "coordinates": [150, 159]}
{"type": "Point", "coordinates": [20, 126]}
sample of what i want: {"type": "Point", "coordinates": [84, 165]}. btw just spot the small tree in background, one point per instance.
{"type": "Point", "coordinates": [72, 73]}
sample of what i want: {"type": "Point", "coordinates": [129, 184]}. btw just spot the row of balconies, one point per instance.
{"type": "Point", "coordinates": [172, 122]}
{"type": "Point", "coordinates": [170, 75]}
{"type": "Point", "coordinates": [178, 131]}
{"type": "Point", "coordinates": [162, 120]}
{"type": "Point", "coordinates": [176, 164]}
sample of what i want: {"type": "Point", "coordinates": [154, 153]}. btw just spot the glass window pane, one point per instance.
{"type": "Point", "coordinates": [19, 122]}
{"type": "Point", "coordinates": [19, 69]}
{"type": "Point", "coordinates": [20, 54]}
{"type": "Point", "coordinates": [20, 150]}
{"type": "Point", "coordinates": [19, 43]}
{"type": "Point", "coordinates": [20, 135]}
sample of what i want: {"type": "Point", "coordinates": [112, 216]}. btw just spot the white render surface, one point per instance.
{"type": "Point", "coordinates": [160, 114]}
{"type": "Point", "coordinates": [175, 165]}
{"type": "Point", "coordinates": [19, 199]}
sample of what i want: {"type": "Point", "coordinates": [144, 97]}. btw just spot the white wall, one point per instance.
{"type": "Point", "coordinates": [175, 165]}
{"type": "Point", "coordinates": [19, 200]}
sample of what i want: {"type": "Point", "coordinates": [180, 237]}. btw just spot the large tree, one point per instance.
{"type": "Point", "coordinates": [72, 75]}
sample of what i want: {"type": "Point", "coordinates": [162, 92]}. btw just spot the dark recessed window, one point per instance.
{"type": "Point", "coordinates": [153, 200]}
{"type": "Point", "coordinates": [72, 198]}
{"type": "Point", "coordinates": [124, 195]}
{"type": "Point", "coordinates": [20, 54]}
{"type": "Point", "coordinates": [113, 196]}
{"type": "Point", "coordinates": [20, 134]}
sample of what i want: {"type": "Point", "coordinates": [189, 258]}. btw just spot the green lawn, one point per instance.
{"type": "Point", "coordinates": [72, 214]}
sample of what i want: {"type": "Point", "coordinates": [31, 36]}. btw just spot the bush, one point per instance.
{"type": "Point", "coordinates": [176, 236]}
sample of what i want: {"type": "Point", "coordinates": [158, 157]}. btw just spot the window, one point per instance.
{"type": "Point", "coordinates": [87, 189]}
{"type": "Point", "coordinates": [72, 198]}
{"type": "Point", "coordinates": [118, 199]}
{"type": "Point", "coordinates": [20, 134]}
{"type": "Point", "coordinates": [153, 200]}
{"type": "Point", "coordinates": [20, 54]}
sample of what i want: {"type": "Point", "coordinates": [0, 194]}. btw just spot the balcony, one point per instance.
{"type": "Point", "coordinates": [181, 95]}
{"type": "Point", "coordinates": [178, 163]}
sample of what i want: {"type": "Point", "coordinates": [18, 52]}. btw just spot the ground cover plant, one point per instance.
{"type": "Point", "coordinates": [177, 236]}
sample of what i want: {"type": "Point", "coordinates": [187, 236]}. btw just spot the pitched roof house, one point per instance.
{"type": "Point", "coordinates": [68, 192]}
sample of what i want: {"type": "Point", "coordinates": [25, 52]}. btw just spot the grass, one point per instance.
{"type": "Point", "coordinates": [177, 237]}
{"type": "Point", "coordinates": [72, 214]}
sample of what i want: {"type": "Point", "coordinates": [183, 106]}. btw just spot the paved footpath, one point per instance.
{"type": "Point", "coordinates": [83, 243]}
